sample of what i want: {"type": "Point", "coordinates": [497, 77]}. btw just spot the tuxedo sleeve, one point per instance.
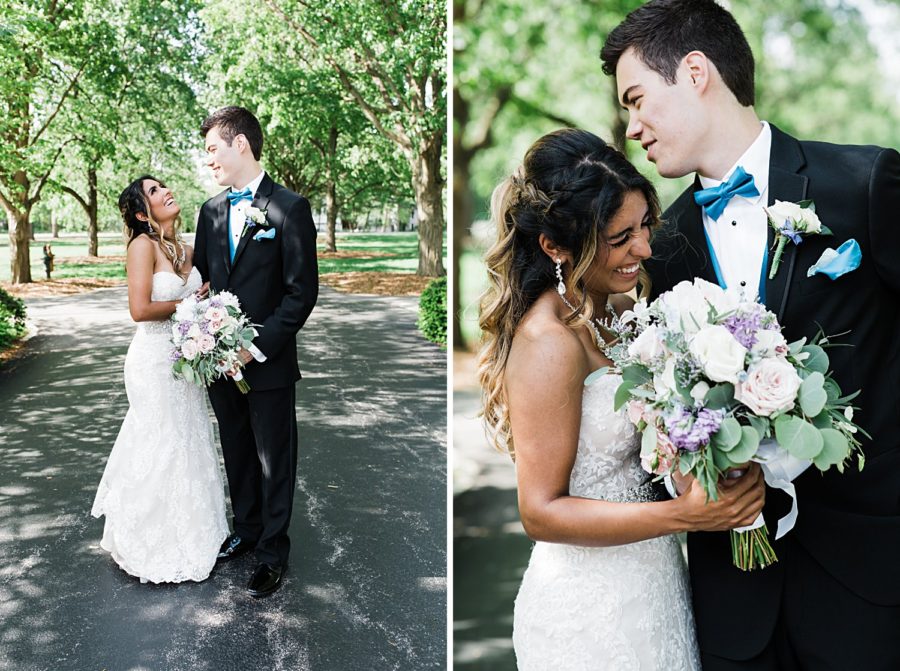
{"type": "Point", "coordinates": [300, 276]}
{"type": "Point", "coordinates": [884, 204]}
{"type": "Point", "coordinates": [201, 261]}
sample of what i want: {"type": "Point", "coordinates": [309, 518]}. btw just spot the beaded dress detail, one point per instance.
{"type": "Point", "coordinates": [623, 607]}
{"type": "Point", "coordinates": [161, 491]}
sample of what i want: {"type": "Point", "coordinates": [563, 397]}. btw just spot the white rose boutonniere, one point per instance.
{"type": "Point", "coordinates": [791, 221]}
{"type": "Point", "coordinates": [255, 216]}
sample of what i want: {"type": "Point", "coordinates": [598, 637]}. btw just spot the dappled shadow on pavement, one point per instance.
{"type": "Point", "coordinates": [366, 584]}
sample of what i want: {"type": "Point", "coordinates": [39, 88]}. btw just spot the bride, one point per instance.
{"type": "Point", "coordinates": [606, 586]}
{"type": "Point", "coordinates": [161, 491]}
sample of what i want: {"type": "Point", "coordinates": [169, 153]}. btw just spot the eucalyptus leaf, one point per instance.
{"type": "Point", "coordinates": [817, 361]}
{"type": "Point", "coordinates": [720, 396]}
{"type": "Point", "coordinates": [728, 435]}
{"type": "Point", "coordinates": [746, 449]}
{"type": "Point", "coordinates": [648, 440]}
{"type": "Point", "coordinates": [636, 374]}
{"type": "Point", "coordinates": [623, 394]}
{"type": "Point", "coordinates": [812, 395]}
{"type": "Point", "coordinates": [835, 449]}
{"type": "Point", "coordinates": [798, 437]}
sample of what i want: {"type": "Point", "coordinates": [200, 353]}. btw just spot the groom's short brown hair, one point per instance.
{"type": "Point", "coordinates": [662, 32]}
{"type": "Point", "coordinates": [233, 121]}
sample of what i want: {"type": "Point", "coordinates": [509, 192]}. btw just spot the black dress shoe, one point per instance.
{"type": "Point", "coordinates": [233, 547]}
{"type": "Point", "coordinates": [265, 580]}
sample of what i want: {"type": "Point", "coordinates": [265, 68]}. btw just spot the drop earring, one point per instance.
{"type": "Point", "coordinates": [561, 287]}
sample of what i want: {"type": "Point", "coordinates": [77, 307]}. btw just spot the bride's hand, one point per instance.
{"type": "Point", "coordinates": [740, 502]}
{"type": "Point", "coordinates": [203, 291]}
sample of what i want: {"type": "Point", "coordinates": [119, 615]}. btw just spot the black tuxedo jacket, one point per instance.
{"type": "Point", "coordinates": [850, 523]}
{"type": "Point", "coordinates": [276, 280]}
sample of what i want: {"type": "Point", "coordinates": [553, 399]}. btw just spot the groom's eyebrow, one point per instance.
{"type": "Point", "coordinates": [626, 97]}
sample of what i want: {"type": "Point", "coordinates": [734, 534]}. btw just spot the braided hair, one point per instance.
{"type": "Point", "coordinates": [570, 185]}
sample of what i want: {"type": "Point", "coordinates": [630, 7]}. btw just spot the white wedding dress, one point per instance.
{"type": "Point", "coordinates": [617, 608]}
{"type": "Point", "coordinates": [161, 491]}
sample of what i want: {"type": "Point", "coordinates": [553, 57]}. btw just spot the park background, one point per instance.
{"type": "Point", "coordinates": [352, 99]}
{"type": "Point", "coordinates": [825, 70]}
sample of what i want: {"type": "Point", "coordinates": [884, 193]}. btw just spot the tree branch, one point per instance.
{"type": "Point", "coordinates": [60, 103]}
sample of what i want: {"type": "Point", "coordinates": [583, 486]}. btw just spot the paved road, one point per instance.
{"type": "Point", "coordinates": [366, 585]}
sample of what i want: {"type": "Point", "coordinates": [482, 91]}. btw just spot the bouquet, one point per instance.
{"type": "Point", "coordinates": [207, 336]}
{"type": "Point", "coordinates": [712, 384]}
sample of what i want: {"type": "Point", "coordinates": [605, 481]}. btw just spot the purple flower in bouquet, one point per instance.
{"type": "Point", "coordinates": [183, 328]}
{"type": "Point", "coordinates": [744, 327]}
{"type": "Point", "coordinates": [690, 432]}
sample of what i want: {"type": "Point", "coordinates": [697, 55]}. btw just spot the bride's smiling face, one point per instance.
{"type": "Point", "coordinates": [163, 206]}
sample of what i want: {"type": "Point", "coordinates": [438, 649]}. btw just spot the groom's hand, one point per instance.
{"type": "Point", "coordinates": [740, 502]}
{"type": "Point", "coordinates": [203, 291]}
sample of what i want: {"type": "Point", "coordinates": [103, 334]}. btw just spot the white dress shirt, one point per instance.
{"type": "Point", "coordinates": [237, 214]}
{"type": "Point", "coordinates": [739, 235]}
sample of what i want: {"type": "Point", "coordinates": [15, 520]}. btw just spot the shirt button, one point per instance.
{"type": "Point", "coordinates": [734, 223]}
{"type": "Point", "coordinates": [743, 283]}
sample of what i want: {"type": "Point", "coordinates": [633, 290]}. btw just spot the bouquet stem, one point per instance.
{"type": "Point", "coordinates": [779, 250]}
{"type": "Point", "coordinates": [241, 383]}
{"type": "Point", "coordinates": [751, 549]}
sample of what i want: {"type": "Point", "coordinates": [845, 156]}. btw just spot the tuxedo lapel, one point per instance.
{"type": "Point", "coordinates": [222, 232]}
{"type": "Point", "coordinates": [261, 202]}
{"type": "Point", "coordinates": [691, 227]}
{"type": "Point", "coordinates": [786, 159]}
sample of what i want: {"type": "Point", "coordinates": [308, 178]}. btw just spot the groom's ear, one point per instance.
{"type": "Point", "coordinates": [240, 142]}
{"type": "Point", "coordinates": [696, 67]}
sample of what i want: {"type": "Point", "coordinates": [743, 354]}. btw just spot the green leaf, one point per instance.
{"type": "Point", "coordinates": [728, 435]}
{"type": "Point", "coordinates": [832, 390]}
{"type": "Point", "coordinates": [835, 449]}
{"type": "Point", "coordinates": [817, 361]}
{"type": "Point", "coordinates": [746, 449]}
{"type": "Point", "coordinates": [720, 396]}
{"type": "Point", "coordinates": [623, 393]}
{"type": "Point", "coordinates": [812, 395]}
{"type": "Point", "coordinates": [822, 420]}
{"type": "Point", "coordinates": [798, 437]}
{"type": "Point", "coordinates": [636, 374]}
{"type": "Point", "coordinates": [648, 440]}
{"type": "Point", "coordinates": [761, 424]}
{"type": "Point", "coordinates": [722, 459]}
{"type": "Point", "coordinates": [795, 347]}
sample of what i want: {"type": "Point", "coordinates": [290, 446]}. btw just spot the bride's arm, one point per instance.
{"type": "Point", "coordinates": [139, 262]}
{"type": "Point", "coordinates": [544, 385]}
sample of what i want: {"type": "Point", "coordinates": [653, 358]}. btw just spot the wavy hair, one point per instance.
{"type": "Point", "coordinates": [570, 185]}
{"type": "Point", "coordinates": [132, 202]}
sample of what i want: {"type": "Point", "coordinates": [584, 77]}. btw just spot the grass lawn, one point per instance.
{"type": "Point", "coordinates": [391, 253]}
{"type": "Point", "coordinates": [473, 282]}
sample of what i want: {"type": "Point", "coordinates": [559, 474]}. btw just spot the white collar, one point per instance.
{"type": "Point", "coordinates": [755, 161]}
{"type": "Point", "coordinates": [254, 183]}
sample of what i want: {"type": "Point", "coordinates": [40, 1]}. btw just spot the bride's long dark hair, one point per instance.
{"type": "Point", "coordinates": [133, 201]}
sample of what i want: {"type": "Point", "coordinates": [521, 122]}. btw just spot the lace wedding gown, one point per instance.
{"type": "Point", "coordinates": [617, 608]}
{"type": "Point", "coordinates": [161, 491]}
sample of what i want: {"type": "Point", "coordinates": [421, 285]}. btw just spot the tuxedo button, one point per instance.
{"type": "Point", "coordinates": [743, 283]}
{"type": "Point", "coordinates": [734, 223]}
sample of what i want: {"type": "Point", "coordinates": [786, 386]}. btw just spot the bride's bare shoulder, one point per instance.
{"type": "Point", "coordinates": [544, 349]}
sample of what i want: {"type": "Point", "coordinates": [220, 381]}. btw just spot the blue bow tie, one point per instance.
{"type": "Point", "coordinates": [237, 196]}
{"type": "Point", "coordinates": [715, 198]}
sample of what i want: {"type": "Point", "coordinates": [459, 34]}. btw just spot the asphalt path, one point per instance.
{"type": "Point", "coordinates": [366, 582]}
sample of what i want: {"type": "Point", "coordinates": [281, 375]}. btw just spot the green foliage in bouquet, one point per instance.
{"type": "Point", "coordinates": [433, 311]}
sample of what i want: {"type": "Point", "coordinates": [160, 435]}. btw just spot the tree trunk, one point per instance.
{"type": "Point", "coordinates": [93, 245]}
{"type": "Point", "coordinates": [54, 224]}
{"type": "Point", "coordinates": [429, 207]}
{"type": "Point", "coordinates": [331, 206]}
{"type": "Point", "coordinates": [19, 248]}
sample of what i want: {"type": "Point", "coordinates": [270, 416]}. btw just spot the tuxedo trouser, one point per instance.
{"type": "Point", "coordinates": [258, 432]}
{"type": "Point", "coordinates": [822, 626]}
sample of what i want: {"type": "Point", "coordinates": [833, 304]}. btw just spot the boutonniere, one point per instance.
{"type": "Point", "coordinates": [255, 216]}
{"type": "Point", "coordinates": [791, 221]}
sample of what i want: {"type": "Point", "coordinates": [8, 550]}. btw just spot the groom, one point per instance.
{"type": "Point", "coordinates": [684, 73]}
{"type": "Point", "coordinates": [269, 263]}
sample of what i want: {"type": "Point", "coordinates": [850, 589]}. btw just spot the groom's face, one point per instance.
{"type": "Point", "coordinates": [222, 158]}
{"type": "Point", "coordinates": [661, 116]}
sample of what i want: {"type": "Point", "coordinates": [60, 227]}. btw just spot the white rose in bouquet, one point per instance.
{"type": "Point", "coordinates": [718, 353]}
{"type": "Point", "coordinates": [769, 343]}
{"type": "Point", "coordinates": [206, 343]}
{"type": "Point", "coordinates": [648, 345]}
{"type": "Point", "coordinates": [723, 300]}
{"type": "Point", "coordinates": [685, 308]}
{"type": "Point", "coordinates": [189, 349]}
{"type": "Point", "coordinates": [771, 386]}
{"type": "Point", "coordinates": [664, 384]}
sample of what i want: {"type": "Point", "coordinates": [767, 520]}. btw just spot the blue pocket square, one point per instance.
{"type": "Point", "coordinates": [265, 235]}
{"type": "Point", "coordinates": [834, 263]}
